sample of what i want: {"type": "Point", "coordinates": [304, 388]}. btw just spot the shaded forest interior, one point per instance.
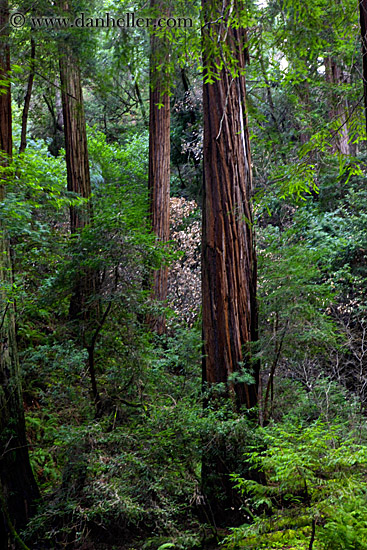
{"type": "Point", "coordinates": [183, 275]}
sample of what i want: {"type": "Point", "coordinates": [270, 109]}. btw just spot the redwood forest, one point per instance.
{"type": "Point", "coordinates": [183, 275]}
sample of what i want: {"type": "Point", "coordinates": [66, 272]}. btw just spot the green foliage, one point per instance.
{"type": "Point", "coordinates": [131, 476]}
{"type": "Point", "coordinates": [304, 401]}
{"type": "Point", "coordinates": [293, 297]}
{"type": "Point", "coordinates": [124, 473]}
{"type": "Point", "coordinates": [346, 528]}
{"type": "Point", "coordinates": [313, 474]}
{"type": "Point", "coordinates": [38, 190]}
{"type": "Point", "coordinates": [42, 430]}
{"type": "Point", "coordinates": [295, 181]}
{"type": "Point", "coordinates": [45, 368]}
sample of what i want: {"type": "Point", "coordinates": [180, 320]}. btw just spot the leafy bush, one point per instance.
{"type": "Point", "coordinates": [314, 486]}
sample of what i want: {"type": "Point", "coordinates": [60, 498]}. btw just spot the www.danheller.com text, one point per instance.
{"type": "Point", "coordinates": [83, 20]}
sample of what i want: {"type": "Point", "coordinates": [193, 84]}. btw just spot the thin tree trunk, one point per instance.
{"type": "Point", "coordinates": [140, 100]}
{"type": "Point", "coordinates": [159, 165]}
{"type": "Point", "coordinates": [313, 533]}
{"type": "Point", "coordinates": [363, 23]}
{"type": "Point", "coordinates": [304, 96]}
{"type": "Point", "coordinates": [27, 99]}
{"type": "Point", "coordinates": [19, 489]}
{"type": "Point", "coordinates": [268, 93]}
{"type": "Point", "coordinates": [59, 119]}
{"type": "Point", "coordinates": [228, 253]}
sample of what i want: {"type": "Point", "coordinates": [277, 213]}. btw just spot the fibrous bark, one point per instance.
{"type": "Point", "coordinates": [228, 253]}
{"type": "Point", "coordinates": [83, 310]}
{"type": "Point", "coordinates": [18, 487]}
{"type": "Point", "coordinates": [159, 164]}
{"type": "Point", "coordinates": [338, 107]}
{"type": "Point", "coordinates": [229, 306]}
{"type": "Point", "coordinates": [77, 163]}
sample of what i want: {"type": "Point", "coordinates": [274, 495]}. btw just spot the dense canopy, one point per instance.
{"type": "Point", "coordinates": [183, 275]}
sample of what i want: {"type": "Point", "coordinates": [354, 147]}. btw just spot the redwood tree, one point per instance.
{"type": "Point", "coordinates": [77, 163]}
{"type": "Point", "coordinates": [229, 306]}
{"type": "Point", "coordinates": [83, 309]}
{"type": "Point", "coordinates": [228, 253]}
{"type": "Point", "coordinates": [338, 107]}
{"type": "Point", "coordinates": [18, 489]}
{"type": "Point", "coordinates": [159, 161]}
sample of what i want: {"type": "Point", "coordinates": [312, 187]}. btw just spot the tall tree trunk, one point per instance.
{"type": "Point", "coordinates": [77, 165]}
{"type": "Point", "coordinates": [228, 253]}
{"type": "Point", "coordinates": [159, 163]}
{"type": "Point", "coordinates": [77, 162]}
{"type": "Point", "coordinates": [18, 487]}
{"type": "Point", "coordinates": [363, 23]}
{"type": "Point", "coordinates": [27, 99]}
{"type": "Point", "coordinates": [83, 310]}
{"type": "Point", "coordinates": [338, 106]}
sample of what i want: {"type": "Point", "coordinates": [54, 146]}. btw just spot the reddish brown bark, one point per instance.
{"type": "Point", "coordinates": [83, 308]}
{"type": "Point", "coordinates": [77, 165]}
{"type": "Point", "coordinates": [77, 162]}
{"type": "Point", "coordinates": [18, 489]}
{"type": "Point", "coordinates": [229, 306]}
{"type": "Point", "coordinates": [338, 107]}
{"type": "Point", "coordinates": [159, 166]}
{"type": "Point", "coordinates": [228, 254]}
